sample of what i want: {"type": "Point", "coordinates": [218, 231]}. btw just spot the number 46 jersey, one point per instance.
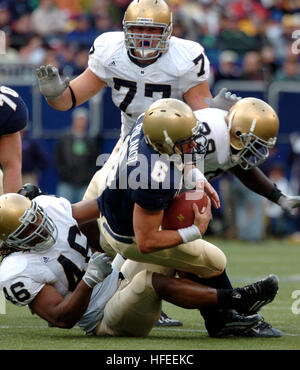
{"type": "Point", "coordinates": [134, 86]}
{"type": "Point", "coordinates": [24, 274]}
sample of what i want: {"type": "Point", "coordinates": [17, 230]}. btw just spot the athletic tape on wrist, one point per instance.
{"type": "Point", "coordinates": [190, 233]}
{"type": "Point", "coordinates": [195, 175]}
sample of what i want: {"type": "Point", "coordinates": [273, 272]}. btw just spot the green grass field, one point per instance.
{"type": "Point", "coordinates": [247, 262]}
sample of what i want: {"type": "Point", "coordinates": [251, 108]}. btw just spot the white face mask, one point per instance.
{"type": "Point", "coordinates": [42, 237]}
{"type": "Point", "coordinates": [146, 46]}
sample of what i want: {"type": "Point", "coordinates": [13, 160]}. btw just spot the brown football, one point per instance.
{"type": "Point", "coordinates": [180, 212]}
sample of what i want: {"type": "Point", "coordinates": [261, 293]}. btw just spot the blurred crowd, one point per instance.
{"type": "Point", "coordinates": [243, 39]}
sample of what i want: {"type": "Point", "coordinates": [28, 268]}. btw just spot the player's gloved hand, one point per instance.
{"type": "Point", "coordinates": [50, 83]}
{"type": "Point", "coordinates": [223, 100]}
{"type": "Point", "coordinates": [30, 191]}
{"type": "Point", "coordinates": [287, 203]}
{"type": "Point", "coordinates": [98, 268]}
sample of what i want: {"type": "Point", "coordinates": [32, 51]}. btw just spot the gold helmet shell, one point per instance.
{"type": "Point", "coordinates": [12, 208]}
{"type": "Point", "coordinates": [253, 127]}
{"type": "Point", "coordinates": [24, 225]}
{"type": "Point", "coordinates": [251, 115]}
{"type": "Point", "coordinates": [167, 122]}
{"type": "Point", "coordinates": [147, 13]}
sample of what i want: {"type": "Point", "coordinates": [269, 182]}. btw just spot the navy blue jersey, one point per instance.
{"type": "Point", "coordinates": [144, 177]}
{"type": "Point", "coordinates": [13, 111]}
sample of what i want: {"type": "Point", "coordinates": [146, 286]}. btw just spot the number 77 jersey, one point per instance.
{"type": "Point", "coordinates": [134, 86]}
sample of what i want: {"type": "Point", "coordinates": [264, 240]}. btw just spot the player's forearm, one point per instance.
{"type": "Point", "coordinates": [85, 211]}
{"type": "Point", "coordinates": [63, 102]}
{"type": "Point", "coordinates": [12, 178]}
{"type": "Point", "coordinates": [69, 311]}
{"type": "Point", "coordinates": [255, 180]}
{"type": "Point", "coordinates": [156, 241]}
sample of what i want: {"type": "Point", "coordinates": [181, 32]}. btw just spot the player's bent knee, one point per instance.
{"type": "Point", "coordinates": [215, 260]}
{"type": "Point", "coordinates": [142, 282]}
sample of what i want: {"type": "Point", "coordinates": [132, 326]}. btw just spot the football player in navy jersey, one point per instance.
{"type": "Point", "coordinates": [149, 174]}
{"type": "Point", "coordinates": [13, 119]}
{"type": "Point", "coordinates": [140, 65]}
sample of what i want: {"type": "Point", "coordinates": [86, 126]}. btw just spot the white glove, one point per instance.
{"type": "Point", "coordinates": [50, 83]}
{"type": "Point", "coordinates": [223, 100]}
{"type": "Point", "coordinates": [287, 203]}
{"type": "Point", "coordinates": [98, 268]}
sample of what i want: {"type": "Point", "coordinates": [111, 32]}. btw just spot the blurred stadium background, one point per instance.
{"type": "Point", "coordinates": [253, 50]}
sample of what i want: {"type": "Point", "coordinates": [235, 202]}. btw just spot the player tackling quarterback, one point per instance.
{"type": "Point", "coordinates": [140, 65]}
{"type": "Point", "coordinates": [48, 266]}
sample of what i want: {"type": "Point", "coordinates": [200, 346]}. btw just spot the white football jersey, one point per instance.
{"type": "Point", "coordinates": [24, 274]}
{"type": "Point", "coordinates": [215, 128]}
{"type": "Point", "coordinates": [135, 87]}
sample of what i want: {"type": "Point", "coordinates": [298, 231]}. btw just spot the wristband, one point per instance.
{"type": "Point", "coordinates": [190, 233]}
{"type": "Point", "coordinates": [73, 97]}
{"type": "Point", "coordinates": [275, 195]}
{"type": "Point", "coordinates": [193, 176]}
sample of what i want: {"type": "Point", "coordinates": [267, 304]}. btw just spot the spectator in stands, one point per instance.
{"type": "Point", "coordinates": [21, 31]}
{"type": "Point", "coordinates": [75, 158]}
{"type": "Point", "coordinates": [116, 10]}
{"type": "Point", "coordinates": [227, 67]}
{"type": "Point", "coordinates": [34, 159]}
{"type": "Point", "coordinates": [269, 63]}
{"type": "Point", "coordinates": [83, 34]}
{"type": "Point", "coordinates": [48, 20]}
{"type": "Point", "coordinates": [5, 17]}
{"type": "Point", "coordinates": [279, 223]}
{"type": "Point", "coordinates": [244, 9]}
{"type": "Point", "coordinates": [66, 56]}
{"type": "Point", "coordinates": [103, 23]}
{"type": "Point", "coordinates": [70, 7]}
{"type": "Point", "coordinates": [80, 61]}
{"type": "Point", "coordinates": [248, 209]}
{"type": "Point", "coordinates": [33, 51]}
{"type": "Point", "coordinates": [51, 58]}
{"type": "Point", "coordinates": [290, 71]}
{"type": "Point", "coordinates": [252, 67]}
{"type": "Point", "coordinates": [18, 8]}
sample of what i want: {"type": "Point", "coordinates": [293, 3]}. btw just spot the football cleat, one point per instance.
{"type": "Point", "coordinates": [235, 324]}
{"type": "Point", "coordinates": [251, 298]}
{"type": "Point", "coordinates": [166, 321]}
{"type": "Point", "coordinates": [263, 330]}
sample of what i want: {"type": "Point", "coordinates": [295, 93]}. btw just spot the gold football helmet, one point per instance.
{"type": "Point", "coordinates": [169, 124]}
{"type": "Point", "coordinates": [24, 225]}
{"type": "Point", "coordinates": [253, 126]}
{"type": "Point", "coordinates": [147, 13]}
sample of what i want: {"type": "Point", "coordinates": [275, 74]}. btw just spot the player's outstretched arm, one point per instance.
{"type": "Point", "coordinates": [258, 182]}
{"type": "Point", "coordinates": [65, 313]}
{"type": "Point", "coordinates": [63, 94]}
{"type": "Point", "coordinates": [86, 211]}
{"type": "Point", "coordinates": [11, 162]}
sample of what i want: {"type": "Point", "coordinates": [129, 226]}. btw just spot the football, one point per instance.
{"type": "Point", "coordinates": [180, 213]}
